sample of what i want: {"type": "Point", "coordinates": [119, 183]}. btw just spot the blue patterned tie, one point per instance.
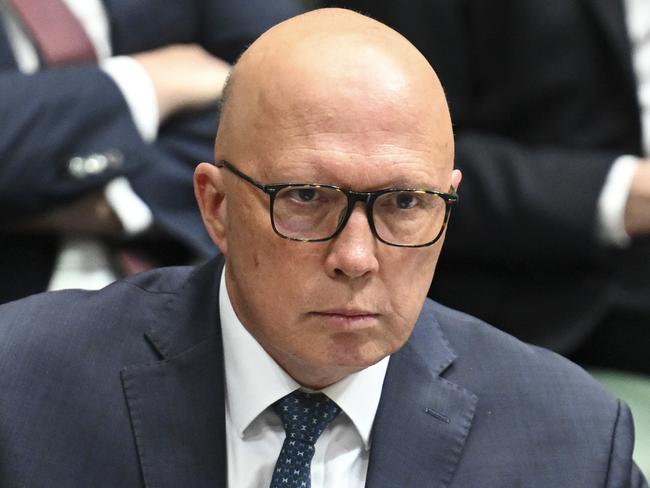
{"type": "Point", "coordinates": [305, 416]}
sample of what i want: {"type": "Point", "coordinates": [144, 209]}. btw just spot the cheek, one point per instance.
{"type": "Point", "coordinates": [275, 272]}
{"type": "Point", "coordinates": [252, 257]}
{"type": "Point", "coordinates": [409, 274]}
{"type": "Point", "coordinates": [249, 233]}
{"type": "Point", "coordinates": [407, 282]}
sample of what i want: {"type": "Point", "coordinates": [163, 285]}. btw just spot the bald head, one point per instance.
{"type": "Point", "coordinates": [330, 99]}
{"type": "Point", "coordinates": [331, 67]}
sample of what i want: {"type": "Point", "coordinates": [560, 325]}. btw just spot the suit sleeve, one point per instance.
{"type": "Point", "coordinates": [520, 202]}
{"type": "Point", "coordinates": [67, 132]}
{"type": "Point", "coordinates": [51, 117]}
{"type": "Point", "coordinates": [529, 191]}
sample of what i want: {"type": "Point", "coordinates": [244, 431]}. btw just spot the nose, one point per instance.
{"type": "Point", "coordinates": [353, 252]}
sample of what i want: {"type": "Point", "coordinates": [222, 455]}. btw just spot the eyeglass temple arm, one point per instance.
{"type": "Point", "coordinates": [232, 169]}
{"type": "Point", "coordinates": [452, 195]}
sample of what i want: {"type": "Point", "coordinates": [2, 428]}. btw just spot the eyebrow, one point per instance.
{"type": "Point", "coordinates": [401, 183]}
{"type": "Point", "coordinates": [323, 176]}
{"type": "Point", "coordinates": [408, 183]}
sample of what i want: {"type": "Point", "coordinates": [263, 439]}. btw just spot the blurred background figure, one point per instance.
{"type": "Point", "coordinates": [106, 108]}
{"type": "Point", "coordinates": [551, 105]}
{"type": "Point", "coordinates": [551, 238]}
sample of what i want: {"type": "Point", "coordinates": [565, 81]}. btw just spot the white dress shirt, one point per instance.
{"type": "Point", "coordinates": [254, 433]}
{"type": "Point", "coordinates": [638, 27]}
{"type": "Point", "coordinates": [83, 262]}
{"type": "Point", "coordinates": [611, 204]}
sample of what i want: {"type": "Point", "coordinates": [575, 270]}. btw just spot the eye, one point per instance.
{"type": "Point", "coordinates": [405, 200]}
{"type": "Point", "coordinates": [304, 194]}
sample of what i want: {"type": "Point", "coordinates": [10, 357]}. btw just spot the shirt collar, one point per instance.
{"type": "Point", "coordinates": [254, 381]}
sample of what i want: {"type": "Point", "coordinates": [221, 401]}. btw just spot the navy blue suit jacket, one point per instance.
{"type": "Point", "coordinates": [55, 115]}
{"type": "Point", "coordinates": [125, 387]}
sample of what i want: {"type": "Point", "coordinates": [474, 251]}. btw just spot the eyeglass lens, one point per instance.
{"type": "Point", "coordinates": [402, 217]}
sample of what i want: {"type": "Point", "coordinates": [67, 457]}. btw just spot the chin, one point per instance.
{"type": "Point", "coordinates": [356, 357]}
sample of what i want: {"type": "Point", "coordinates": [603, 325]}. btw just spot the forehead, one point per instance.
{"type": "Point", "coordinates": [356, 170]}
{"type": "Point", "coordinates": [357, 146]}
{"type": "Point", "coordinates": [357, 119]}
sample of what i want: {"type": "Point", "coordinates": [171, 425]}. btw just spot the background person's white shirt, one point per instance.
{"type": "Point", "coordinates": [611, 204]}
{"type": "Point", "coordinates": [254, 433]}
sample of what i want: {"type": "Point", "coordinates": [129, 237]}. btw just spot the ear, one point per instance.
{"type": "Point", "coordinates": [456, 176]}
{"type": "Point", "coordinates": [210, 195]}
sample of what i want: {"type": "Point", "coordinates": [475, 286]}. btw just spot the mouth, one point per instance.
{"type": "Point", "coordinates": [347, 319]}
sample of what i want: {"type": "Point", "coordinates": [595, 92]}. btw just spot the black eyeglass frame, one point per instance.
{"type": "Point", "coordinates": [353, 197]}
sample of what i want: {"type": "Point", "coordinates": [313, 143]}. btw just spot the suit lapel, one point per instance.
{"type": "Point", "coordinates": [177, 414]}
{"type": "Point", "coordinates": [423, 420]}
{"type": "Point", "coordinates": [177, 405]}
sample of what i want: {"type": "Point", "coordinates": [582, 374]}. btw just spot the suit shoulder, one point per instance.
{"type": "Point", "coordinates": [489, 358]}
{"type": "Point", "coordinates": [74, 320]}
{"type": "Point", "coordinates": [534, 405]}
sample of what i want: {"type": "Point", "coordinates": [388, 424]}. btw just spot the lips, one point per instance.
{"type": "Point", "coordinates": [347, 312]}
{"type": "Point", "coordinates": [347, 319]}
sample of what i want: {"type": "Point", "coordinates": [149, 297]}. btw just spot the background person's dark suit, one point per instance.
{"type": "Point", "coordinates": [125, 387]}
{"type": "Point", "coordinates": [543, 100]}
{"type": "Point", "coordinates": [55, 115]}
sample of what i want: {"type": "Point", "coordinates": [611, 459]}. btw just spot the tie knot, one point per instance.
{"type": "Point", "coordinates": [305, 415]}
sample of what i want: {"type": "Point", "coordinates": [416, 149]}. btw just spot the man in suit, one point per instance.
{"type": "Point", "coordinates": [329, 199]}
{"type": "Point", "coordinates": [101, 152]}
{"type": "Point", "coordinates": [552, 120]}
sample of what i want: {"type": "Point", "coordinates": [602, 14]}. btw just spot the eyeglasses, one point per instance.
{"type": "Point", "coordinates": [307, 212]}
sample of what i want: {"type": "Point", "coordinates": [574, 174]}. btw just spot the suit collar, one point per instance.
{"type": "Point", "coordinates": [177, 405]}
{"type": "Point", "coordinates": [423, 420]}
{"type": "Point", "coordinates": [191, 314]}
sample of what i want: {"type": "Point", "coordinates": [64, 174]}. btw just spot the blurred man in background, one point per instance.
{"type": "Point", "coordinates": [105, 108]}
{"type": "Point", "coordinates": [551, 110]}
